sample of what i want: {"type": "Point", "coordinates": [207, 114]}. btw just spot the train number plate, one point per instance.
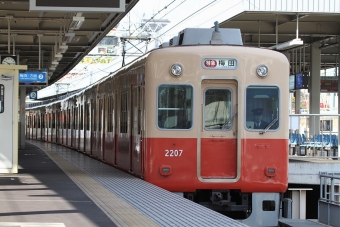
{"type": "Point", "coordinates": [173, 153]}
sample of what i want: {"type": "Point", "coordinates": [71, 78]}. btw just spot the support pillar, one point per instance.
{"type": "Point", "coordinates": [22, 137]}
{"type": "Point", "coordinates": [299, 196]}
{"type": "Point", "coordinates": [314, 98]}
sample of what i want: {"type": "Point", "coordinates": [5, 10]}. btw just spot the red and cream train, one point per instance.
{"type": "Point", "coordinates": [181, 117]}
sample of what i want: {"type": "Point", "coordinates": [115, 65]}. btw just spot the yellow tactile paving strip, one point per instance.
{"type": "Point", "coordinates": [120, 212]}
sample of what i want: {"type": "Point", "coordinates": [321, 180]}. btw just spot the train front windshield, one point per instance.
{"type": "Point", "coordinates": [262, 107]}
{"type": "Point", "coordinates": [175, 106]}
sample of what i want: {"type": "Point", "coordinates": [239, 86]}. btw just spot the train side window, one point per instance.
{"type": "Point", "coordinates": [2, 98]}
{"type": "Point", "coordinates": [175, 104]}
{"type": "Point", "coordinates": [262, 107]}
{"type": "Point", "coordinates": [217, 109]}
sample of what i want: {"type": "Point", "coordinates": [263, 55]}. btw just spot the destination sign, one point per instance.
{"type": "Point", "coordinates": [219, 63]}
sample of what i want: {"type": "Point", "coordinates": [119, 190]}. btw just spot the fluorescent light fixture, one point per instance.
{"type": "Point", "coordinates": [55, 63]}
{"type": "Point", "coordinates": [52, 68]}
{"type": "Point", "coordinates": [288, 45]}
{"type": "Point", "coordinates": [58, 57]}
{"type": "Point", "coordinates": [62, 49]}
{"type": "Point", "coordinates": [77, 22]}
{"type": "Point", "coordinates": [68, 37]}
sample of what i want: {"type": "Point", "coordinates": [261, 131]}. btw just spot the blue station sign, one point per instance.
{"type": "Point", "coordinates": [33, 78]}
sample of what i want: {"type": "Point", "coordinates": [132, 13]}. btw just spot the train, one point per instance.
{"type": "Point", "coordinates": [182, 117]}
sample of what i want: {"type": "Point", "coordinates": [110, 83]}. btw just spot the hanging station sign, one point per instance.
{"type": "Point", "coordinates": [33, 79]}
{"type": "Point", "coordinates": [78, 5]}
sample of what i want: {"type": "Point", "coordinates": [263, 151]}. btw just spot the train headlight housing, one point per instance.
{"type": "Point", "coordinates": [262, 71]}
{"type": "Point", "coordinates": [176, 69]}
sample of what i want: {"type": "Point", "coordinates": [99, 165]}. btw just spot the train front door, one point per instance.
{"type": "Point", "coordinates": [218, 140]}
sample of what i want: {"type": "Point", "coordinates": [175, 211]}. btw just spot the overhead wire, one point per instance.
{"type": "Point", "coordinates": [209, 4]}
{"type": "Point", "coordinates": [164, 8]}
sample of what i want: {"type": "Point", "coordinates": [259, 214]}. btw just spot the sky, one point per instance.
{"type": "Point", "coordinates": [180, 13]}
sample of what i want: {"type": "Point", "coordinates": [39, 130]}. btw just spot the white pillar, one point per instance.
{"type": "Point", "coordinates": [22, 117]}
{"type": "Point", "coordinates": [299, 202]}
{"type": "Point", "coordinates": [314, 98]}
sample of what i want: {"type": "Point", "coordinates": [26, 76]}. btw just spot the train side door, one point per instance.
{"type": "Point", "coordinates": [137, 130]}
{"type": "Point", "coordinates": [218, 141]}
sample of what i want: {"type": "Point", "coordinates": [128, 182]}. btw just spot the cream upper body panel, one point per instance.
{"type": "Point", "coordinates": [157, 71]}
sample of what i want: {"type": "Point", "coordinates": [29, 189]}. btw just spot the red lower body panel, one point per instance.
{"type": "Point", "coordinates": [178, 157]}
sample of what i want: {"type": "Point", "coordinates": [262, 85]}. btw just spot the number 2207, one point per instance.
{"type": "Point", "coordinates": [173, 153]}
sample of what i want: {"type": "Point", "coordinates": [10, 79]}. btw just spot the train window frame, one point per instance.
{"type": "Point", "coordinates": [2, 98]}
{"type": "Point", "coordinates": [187, 108]}
{"type": "Point", "coordinates": [219, 126]}
{"type": "Point", "coordinates": [262, 103]}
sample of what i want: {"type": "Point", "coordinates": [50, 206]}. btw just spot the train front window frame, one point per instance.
{"type": "Point", "coordinates": [175, 106]}
{"type": "Point", "coordinates": [262, 103]}
{"type": "Point", "coordinates": [217, 109]}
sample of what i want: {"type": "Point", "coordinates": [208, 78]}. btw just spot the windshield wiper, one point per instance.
{"type": "Point", "coordinates": [270, 125]}
{"type": "Point", "coordinates": [228, 120]}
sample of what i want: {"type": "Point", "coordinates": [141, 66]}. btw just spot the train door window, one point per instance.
{"type": "Point", "coordinates": [50, 120]}
{"type": "Point", "coordinates": [87, 116]}
{"type": "Point", "coordinates": [42, 121]}
{"type": "Point", "coordinates": [110, 114]}
{"type": "Point", "coordinates": [39, 121]}
{"type": "Point", "coordinates": [64, 120]}
{"type": "Point", "coordinates": [53, 120]}
{"type": "Point", "coordinates": [93, 117]}
{"type": "Point", "coordinates": [262, 107]}
{"type": "Point", "coordinates": [46, 120]}
{"type": "Point", "coordinates": [217, 109]}
{"type": "Point", "coordinates": [81, 127]}
{"type": "Point", "coordinates": [123, 112]}
{"type": "Point", "coordinates": [34, 121]}
{"type": "Point", "coordinates": [115, 111]}
{"type": "Point", "coordinates": [2, 98]}
{"type": "Point", "coordinates": [175, 104]}
{"type": "Point", "coordinates": [68, 119]}
{"type": "Point", "coordinates": [75, 118]}
{"type": "Point", "coordinates": [58, 119]}
{"type": "Point", "coordinates": [139, 106]}
{"type": "Point", "coordinates": [100, 114]}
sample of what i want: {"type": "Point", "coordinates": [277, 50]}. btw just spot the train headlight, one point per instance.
{"type": "Point", "coordinates": [176, 69]}
{"type": "Point", "coordinates": [262, 70]}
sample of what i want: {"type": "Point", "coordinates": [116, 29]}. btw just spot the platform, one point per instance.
{"type": "Point", "coordinates": [57, 186]}
{"type": "Point", "coordinates": [283, 222]}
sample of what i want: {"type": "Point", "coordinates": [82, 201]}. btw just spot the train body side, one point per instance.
{"type": "Point", "coordinates": [116, 121]}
